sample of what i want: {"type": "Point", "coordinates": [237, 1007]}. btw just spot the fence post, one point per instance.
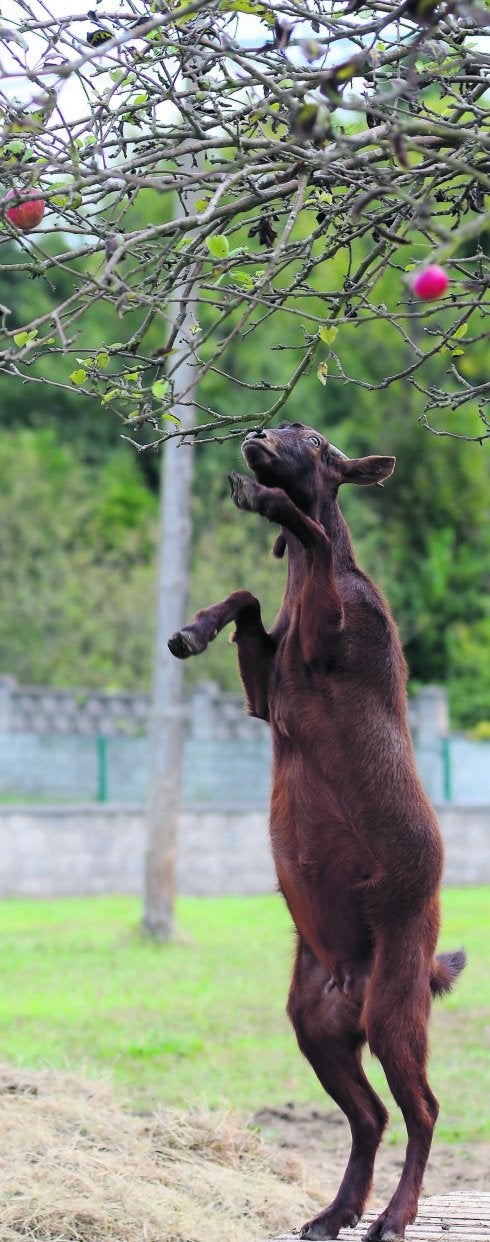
{"type": "Point", "coordinates": [102, 781]}
{"type": "Point", "coordinates": [447, 769]}
{"type": "Point", "coordinates": [7, 685]}
{"type": "Point", "coordinates": [432, 742]}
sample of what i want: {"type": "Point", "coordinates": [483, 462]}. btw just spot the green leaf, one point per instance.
{"type": "Point", "coordinates": [461, 331]}
{"type": "Point", "coordinates": [201, 204]}
{"type": "Point", "coordinates": [345, 72]}
{"type": "Point", "coordinates": [79, 376]}
{"type": "Point", "coordinates": [218, 246]}
{"type": "Point", "coordinates": [322, 372]}
{"type": "Point", "coordinates": [244, 279]}
{"type": "Point", "coordinates": [171, 417]}
{"type": "Point", "coordinates": [305, 120]}
{"type": "Point", "coordinates": [160, 389]}
{"type": "Point", "coordinates": [109, 396]}
{"type": "Point", "coordinates": [327, 335]}
{"type": "Point", "coordinates": [26, 337]}
{"type": "Point", "coordinates": [69, 198]}
{"type": "Point", "coordinates": [102, 359]}
{"type": "Point", "coordinates": [248, 6]}
{"type": "Point", "coordinates": [456, 353]}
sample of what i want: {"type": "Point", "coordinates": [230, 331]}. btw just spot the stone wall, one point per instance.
{"type": "Point", "coordinates": [97, 713]}
{"type": "Point", "coordinates": [85, 850]}
{"type": "Point", "coordinates": [83, 746]}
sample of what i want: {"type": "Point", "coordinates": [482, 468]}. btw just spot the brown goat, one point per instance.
{"type": "Point", "coordinates": [356, 843]}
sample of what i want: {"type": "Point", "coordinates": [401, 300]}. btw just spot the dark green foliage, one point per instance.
{"type": "Point", "coordinates": [77, 565]}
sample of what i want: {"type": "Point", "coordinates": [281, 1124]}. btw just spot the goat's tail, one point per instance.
{"type": "Point", "coordinates": [445, 969]}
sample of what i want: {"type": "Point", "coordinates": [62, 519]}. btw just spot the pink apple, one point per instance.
{"type": "Point", "coordinates": [430, 282]}
{"type": "Point", "coordinates": [28, 211]}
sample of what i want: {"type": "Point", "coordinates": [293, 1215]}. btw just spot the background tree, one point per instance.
{"type": "Point", "coordinates": [168, 714]}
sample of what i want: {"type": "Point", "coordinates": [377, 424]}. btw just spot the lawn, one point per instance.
{"type": "Point", "coordinates": [202, 1019]}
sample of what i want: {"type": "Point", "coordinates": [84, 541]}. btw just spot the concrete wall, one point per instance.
{"type": "Point", "coordinates": [60, 851]}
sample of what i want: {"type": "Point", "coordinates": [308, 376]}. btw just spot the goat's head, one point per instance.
{"type": "Point", "coordinates": [307, 467]}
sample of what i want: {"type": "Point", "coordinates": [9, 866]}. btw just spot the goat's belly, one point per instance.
{"type": "Point", "coordinates": [324, 892]}
{"type": "Point", "coordinates": [343, 863]}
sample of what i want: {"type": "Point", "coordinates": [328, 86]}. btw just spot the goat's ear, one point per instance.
{"type": "Point", "coordinates": [366, 470]}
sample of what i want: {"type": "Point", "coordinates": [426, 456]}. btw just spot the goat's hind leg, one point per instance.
{"type": "Point", "coordinates": [329, 1032]}
{"type": "Point", "coordinates": [396, 1012]}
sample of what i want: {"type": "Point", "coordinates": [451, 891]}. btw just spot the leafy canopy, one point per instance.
{"type": "Point", "coordinates": [303, 161]}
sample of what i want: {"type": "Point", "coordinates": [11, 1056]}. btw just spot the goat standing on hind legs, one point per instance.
{"type": "Point", "coordinates": [356, 844]}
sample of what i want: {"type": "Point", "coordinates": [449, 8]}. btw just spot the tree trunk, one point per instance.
{"type": "Point", "coordinates": [168, 712]}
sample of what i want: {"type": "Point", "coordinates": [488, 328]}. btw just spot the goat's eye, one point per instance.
{"type": "Point", "coordinates": [315, 440]}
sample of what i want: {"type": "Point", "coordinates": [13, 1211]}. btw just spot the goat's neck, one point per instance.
{"type": "Point", "coordinates": [337, 530]}
{"type": "Point", "coordinates": [335, 525]}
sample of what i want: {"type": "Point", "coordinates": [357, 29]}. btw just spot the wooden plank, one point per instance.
{"type": "Point", "coordinates": [442, 1218]}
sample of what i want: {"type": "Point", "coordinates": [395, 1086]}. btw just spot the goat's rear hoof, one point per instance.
{"type": "Point", "coordinates": [314, 1229]}
{"type": "Point", "coordinates": [186, 643]}
{"type": "Point", "coordinates": [384, 1231]}
{"type": "Point", "coordinates": [243, 491]}
{"type": "Point", "coordinates": [328, 1224]}
{"type": "Point", "coordinates": [390, 1236]}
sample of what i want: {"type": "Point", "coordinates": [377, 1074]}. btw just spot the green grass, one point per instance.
{"type": "Point", "coordinates": [202, 1019]}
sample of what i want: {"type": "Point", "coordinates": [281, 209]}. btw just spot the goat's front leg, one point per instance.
{"type": "Point", "coordinates": [255, 646]}
{"type": "Point", "coordinates": [319, 605]}
{"type": "Point", "coordinates": [274, 504]}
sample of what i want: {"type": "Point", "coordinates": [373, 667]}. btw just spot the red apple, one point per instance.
{"type": "Point", "coordinates": [430, 282]}
{"type": "Point", "coordinates": [28, 211]}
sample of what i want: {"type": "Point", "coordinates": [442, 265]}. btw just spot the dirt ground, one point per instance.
{"type": "Point", "coordinates": [322, 1141]}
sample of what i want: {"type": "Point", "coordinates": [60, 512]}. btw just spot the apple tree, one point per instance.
{"type": "Point", "coordinates": [274, 138]}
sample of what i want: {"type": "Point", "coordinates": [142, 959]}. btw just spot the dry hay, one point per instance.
{"type": "Point", "coordinates": [77, 1167]}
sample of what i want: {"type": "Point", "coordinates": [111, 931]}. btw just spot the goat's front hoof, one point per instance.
{"type": "Point", "coordinates": [243, 491]}
{"type": "Point", "coordinates": [186, 643]}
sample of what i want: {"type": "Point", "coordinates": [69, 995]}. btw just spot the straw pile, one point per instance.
{"type": "Point", "coordinates": [77, 1167]}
